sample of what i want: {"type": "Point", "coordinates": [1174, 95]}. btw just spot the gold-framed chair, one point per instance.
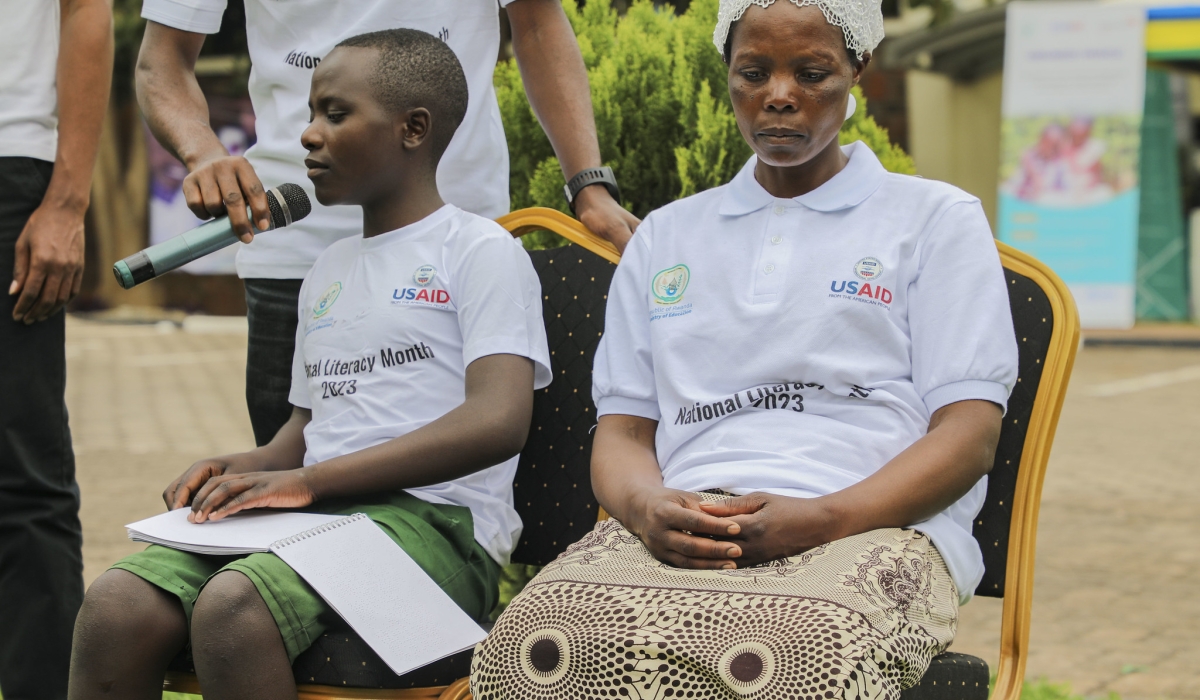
{"type": "Point", "coordinates": [1047, 326]}
{"type": "Point", "coordinates": [552, 488]}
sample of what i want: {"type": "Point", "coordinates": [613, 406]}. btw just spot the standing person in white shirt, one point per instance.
{"type": "Point", "coordinates": [800, 389]}
{"type": "Point", "coordinates": [52, 103]}
{"type": "Point", "coordinates": [286, 40]}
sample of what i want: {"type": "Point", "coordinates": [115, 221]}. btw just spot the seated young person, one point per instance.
{"type": "Point", "coordinates": [800, 389]}
{"type": "Point", "coordinates": [419, 347]}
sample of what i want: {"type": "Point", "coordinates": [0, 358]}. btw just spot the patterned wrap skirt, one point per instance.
{"type": "Point", "coordinates": [861, 617]}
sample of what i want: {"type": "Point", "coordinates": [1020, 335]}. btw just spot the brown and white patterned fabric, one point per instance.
{"type": "Point", "coordinates": [859, 618]}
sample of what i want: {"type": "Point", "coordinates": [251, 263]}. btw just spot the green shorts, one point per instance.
{"type": "Point", "coordinates": [440, 538]}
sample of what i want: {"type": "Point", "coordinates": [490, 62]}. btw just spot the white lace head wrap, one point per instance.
{"type": "Point", "coordinates": [861, 20]}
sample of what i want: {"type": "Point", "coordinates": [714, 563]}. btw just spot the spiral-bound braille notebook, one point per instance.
{"type": "Point", "coordinates": [366, 577]}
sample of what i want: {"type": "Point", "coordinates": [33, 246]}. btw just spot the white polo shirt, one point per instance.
{"type": "Point", "coordinates": [388, 325]}
{"type": "Point", "coordinates": [286, 41]}
{"type": "Point", "coordinates": [795, 346]}
{"type": "Point", "coordinates": [28, 77]}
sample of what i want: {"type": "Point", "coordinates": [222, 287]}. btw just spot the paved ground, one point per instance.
{"type": "Point", "coordinates": [1117, 605]}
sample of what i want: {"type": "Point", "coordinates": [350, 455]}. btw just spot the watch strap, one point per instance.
{"type": "Point", "coordinates": [591, 176]}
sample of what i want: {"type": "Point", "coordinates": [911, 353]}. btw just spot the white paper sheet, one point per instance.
{"type": "Point", "coordinates": [241, 533]}
{"type": "Point", "coordinates": [381, 592]}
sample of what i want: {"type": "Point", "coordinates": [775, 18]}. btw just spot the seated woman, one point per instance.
{"type": "Point", "coordinates": [800, 389]}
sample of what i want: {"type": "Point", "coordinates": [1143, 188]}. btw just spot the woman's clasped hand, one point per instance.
{"type": "Point", "coordinates": [685, 531]}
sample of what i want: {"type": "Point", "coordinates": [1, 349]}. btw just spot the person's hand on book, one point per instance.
{"type": "Point", "coordinates": [180, 491]}
{"type": "Point", "coordinates": [230, 493]}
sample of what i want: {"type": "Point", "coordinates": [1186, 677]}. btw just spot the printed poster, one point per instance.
{"type": "Point", "coordinates": [1074, 87]}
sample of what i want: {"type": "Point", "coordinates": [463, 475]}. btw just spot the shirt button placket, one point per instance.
{"type": "Point", "coordinates": [766, 282]}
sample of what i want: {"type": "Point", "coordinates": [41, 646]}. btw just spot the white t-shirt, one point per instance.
{"type": "Point", "coordinates": [795, 346]}
{"type": "Point", "coordinates": [388, 325]}
{"type": "Point", "coordinates": [286, 41]}
{"type": "Point", "coordinates": [29, 37]}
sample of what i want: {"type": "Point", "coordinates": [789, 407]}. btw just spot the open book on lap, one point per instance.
{"type": "Point", "coordinates": [373, 584]}
{"type": "Point", "coordinates": [242, 533]}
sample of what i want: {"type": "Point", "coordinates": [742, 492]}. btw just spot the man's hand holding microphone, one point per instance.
{"type": "Point", "coordinates": [227, 184]}
{"type": "Point", "coordinates": [225, 187]}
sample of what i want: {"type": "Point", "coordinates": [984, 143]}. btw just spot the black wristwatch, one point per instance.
{"type": "Point", "coordinates": [592, 176]}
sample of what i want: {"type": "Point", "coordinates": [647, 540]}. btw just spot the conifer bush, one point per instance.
{"type": "Point", "coordinates": [661, 102]}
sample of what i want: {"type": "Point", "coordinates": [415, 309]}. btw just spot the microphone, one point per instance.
{"type": "Point", "coordinates": [288, 203]}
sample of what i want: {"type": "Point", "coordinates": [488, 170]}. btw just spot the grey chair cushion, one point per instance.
{"type": "Point", "coordinates": [952, 677]}
{"type": "Point", "coordinates": [342, 658]}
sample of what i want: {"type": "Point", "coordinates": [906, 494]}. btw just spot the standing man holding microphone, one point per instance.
{"type": "Point", "coordinates": [55, 71]}
{"type": "Point", "coordinates": [286, 41]}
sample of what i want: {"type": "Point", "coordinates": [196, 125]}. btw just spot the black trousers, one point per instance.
{"type": "Point", "coordinates": [271, 313]}
{"type": "Point", "coordinates": [41, 557]}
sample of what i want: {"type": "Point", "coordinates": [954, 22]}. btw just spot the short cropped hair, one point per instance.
{"type": "Point", "coordinates": [416, 69]}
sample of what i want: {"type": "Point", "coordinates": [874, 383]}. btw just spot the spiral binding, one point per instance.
{"type": "Point", "coordinates": [313, 532]}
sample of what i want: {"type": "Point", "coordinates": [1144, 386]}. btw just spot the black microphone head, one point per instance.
{"type": "Point", "coordinates": [295, 205]}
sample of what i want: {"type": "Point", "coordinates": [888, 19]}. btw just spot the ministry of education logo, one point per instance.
{"type": "Point", "coordinates": [669, 284]}
{"type": "Point", "coordinates": [424, 275]}
{"type": "Point", "coordinates": [326, 301]}
{"type": "Point", "coordinates": [868, 269]}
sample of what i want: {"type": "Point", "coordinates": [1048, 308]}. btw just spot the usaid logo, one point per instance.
{"type": "Point", "coordinates": [424, 275]}
{"type": "Point", "coordinates": [853, 288]}
{"type": "Point", "coordinates": [867, 287]}
{"type": "Point", "coordinates": [868, 269]}
{"type": "Point", "coordinates": [421, 297]}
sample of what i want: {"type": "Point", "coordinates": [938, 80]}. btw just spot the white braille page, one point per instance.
{"type": "Point", "coordinates": [380, 592]}
{"type": "Point", "coordinates": [241, 533]}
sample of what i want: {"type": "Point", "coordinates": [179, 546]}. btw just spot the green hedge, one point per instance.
{"type": "Point", "coordinates": [662, 110]}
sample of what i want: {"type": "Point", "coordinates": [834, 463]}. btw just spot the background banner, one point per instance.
{"type": "Point", "coordinates": [1074, 88]}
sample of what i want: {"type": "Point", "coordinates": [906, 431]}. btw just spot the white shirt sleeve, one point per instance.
{"type": "Point", "coordinates": [198, 16]}
{"type": "Point", "coordinates": [963, 343]}
{"type": "Point", "coordinates": [623, 374]}
{"type": "Point", "coordinates": [298, 395]}
{"type": "Point", "coordinates": [499, 300]}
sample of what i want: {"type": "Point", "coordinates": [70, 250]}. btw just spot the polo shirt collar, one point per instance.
{"type": "Point", "coordinates": [850, 187]}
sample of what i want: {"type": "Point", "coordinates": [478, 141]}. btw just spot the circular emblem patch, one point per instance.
{"type": "Point", "coordinates": [868, 268]}
{"type": "Point", "coordinates": [326, 301]}
{"type": "Point", "coordinates": [668, 285]}
{"type": "Point", "coordinates": [424, 275]}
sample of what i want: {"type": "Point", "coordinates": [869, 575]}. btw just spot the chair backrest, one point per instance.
{"type": "Point", "coordinates": [1047, 331]}
{"type": "Point", "coordinates": [552, 490]}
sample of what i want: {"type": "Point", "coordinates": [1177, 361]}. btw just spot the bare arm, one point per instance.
{"type": "Point", "coordinates": [918, 483]}
{"type": "Point", "coordinates": [557, 85]}
{"type": "Point", "coordinates": [628, 482]}
{"type": "Point", "coordinates": [489, 427]}
{"type": "Point", "coordinates": [177, 113]}
{"type": "Point", "coordinates": [48, 270]}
